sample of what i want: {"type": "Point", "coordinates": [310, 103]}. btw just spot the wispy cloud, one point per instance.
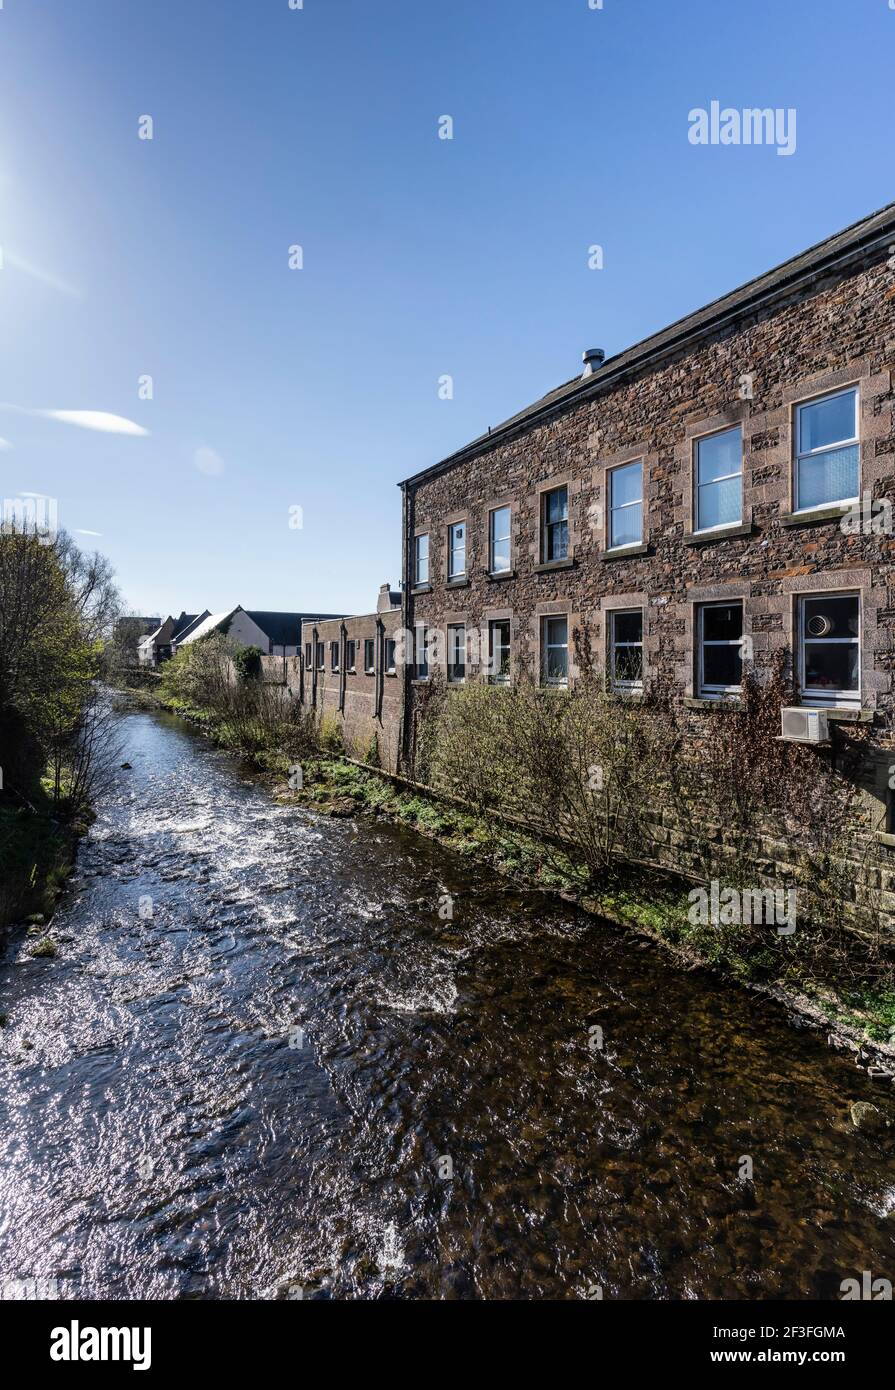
{"type": "Point", "coordinates": [208, 461]}
{"type": "Point", "coordinates": [100, 420]}
{"type": "Point", "coordinates": [4, 444]}
{"type": "Point", "coordinates": [46, 277]}
{"type": "Point", "coordinates": [80, 532]}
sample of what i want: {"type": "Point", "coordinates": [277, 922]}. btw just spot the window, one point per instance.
{"type": "Point", "coordinates": [555, 651]}
{"type": "Point", "coordinates": [321, 662]}
{"type": "Point", "coordinates": [390, 656]}
{"type": "Point", "coordinates": [626, 505]}
{"type": "Point", "coordinates": [829, 651]}
{"type": "Point", "coordinates": [307, 653]}
{"type": "Point", "coordinates": [369, 655]}
{"type": "Point", "coordinates": [499, 542]}
{"type": "Point", "coordinates": [456, 653]}
{"type": "Point", "coordinates": [626, 649]}
{"type": "Point", "coordinates": [827, 450]}
{"type": "Point", "coordinates": [499, 651]}
{"type": "Point", "coordinates": [555, 525]}
{"type": "Point", "coordinates": [334, 656]}
{"type": "Point", "coordinates": [457, 550]}
{"type": "Point", "coordinates": [421, 560]}
{"type": "Point", "coordinates": [422, 654]}
{"type": "Point", "coordinates": [720, 629]}
{"type": "Point", "coordinates": [719, 480]}
{"type": "Point", "coordinates": [349, 655]}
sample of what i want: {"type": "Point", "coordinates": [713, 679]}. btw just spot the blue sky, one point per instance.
{"type": "Point", "coordinates": [318, 388]}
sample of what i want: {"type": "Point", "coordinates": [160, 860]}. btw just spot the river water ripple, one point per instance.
{"type": "Point", "coordinates": [166, 1132]}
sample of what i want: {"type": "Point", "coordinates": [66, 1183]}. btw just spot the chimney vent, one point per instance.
{"type": "Point", "coordinates": [593, 358]}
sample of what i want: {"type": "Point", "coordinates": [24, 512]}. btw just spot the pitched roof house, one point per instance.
{"type": "Point", "coordinates": [161, 644]}
{"type": "Point", "coordinates": [276, 634]}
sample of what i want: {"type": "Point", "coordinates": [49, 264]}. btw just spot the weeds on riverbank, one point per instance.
{"type": "Point", "coordinates": [208, 682]}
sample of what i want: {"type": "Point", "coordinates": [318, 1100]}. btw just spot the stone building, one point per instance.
{"type": "Point", "coordinates": [721, 490]}
{"type": "Point", "coordinates": [349, 673]}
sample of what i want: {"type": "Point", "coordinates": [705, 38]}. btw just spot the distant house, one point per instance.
{"type": "Point", "coordinates": [161, 644]}
{"type": "Point", "coordinates": [275, 634]}
{"type": "Point", "coordinates": [128, 633]}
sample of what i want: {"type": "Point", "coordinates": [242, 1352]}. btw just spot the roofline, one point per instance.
{"type": "Point", "coordinates": [765, 288]}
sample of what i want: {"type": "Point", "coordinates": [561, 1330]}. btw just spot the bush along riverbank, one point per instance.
{"type": "Point", "coordinates": [57, 737]}
{"type": "Point", "coordinates": [37, 855]}
{"type": "Point", "coordinates": [848, 992]}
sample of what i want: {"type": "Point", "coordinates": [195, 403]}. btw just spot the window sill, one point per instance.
{"type": "Point", "coordinates": [497, 575]}
{"type": "Point", "coordinates": [713, 702]}
{"type": "Point", "coordinates": [421, 589]}
{"type": "Point", "coordinates": [461, 583]}
{"type": "Point", "coordinates": [720, 533]}
{"type": "Point", "coordinates": [417, 680]}
{"type": "Point", "coordinates": [623, 552]}
{"type": "Point", "coordinates": [884, 838]}
{"type": "Point", "coordinates": [843, 714]}
{"type": "Point", "coordinates": [812, 515]}
{"type": "Point", "coordinates": [392, 674]}
{"type": "Point", "coordinates": [549, 565]}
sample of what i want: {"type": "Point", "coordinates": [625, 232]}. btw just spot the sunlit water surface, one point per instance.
{"type": "Point", "coordinates": [166, 1132]}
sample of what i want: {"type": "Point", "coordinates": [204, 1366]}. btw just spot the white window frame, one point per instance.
{"type": "Point", "coordinates": [321, 656]}
{"type": "Point", "coordinates": [547, 526]}
{"type": "Point", "coordinates": [855, 441]}
{"type": "Point", "coordinates": [452, 630]}
{"type": "Point", "coordinates": [421, 650]}
{"type": "Point", "coordinates": [718, 692]}
{"type": "Point", "coordinates": [829, 699]}
{"type": "Point", "coordinates": [704, 439]}
{"type": "Point", "coordinates": [547, 647]}
{"type": "Point", "coordinates": [390, 666]}
{"type": "Point", "coordinates": [492, 568]}
{"type": "Point", "coordinates": [617, 684]}
{"type": "Point", "coordinates": [454, 549]}
{"type": "Point", "coordinates": [351, 643]}
{"type": "Point", "coordinates": [610, 483]}
{"type": "Point", "coordinates": [335, 657]}
{"type": "Point", "coordinates": [494, 677]}
{"type": "Point", "coordinates": [370, 669]}
{"type": "Point", "coordinates": [420, 560]}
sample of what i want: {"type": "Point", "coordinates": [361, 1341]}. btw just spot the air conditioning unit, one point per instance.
{"type": "Point", "coordinates": [805, 725]}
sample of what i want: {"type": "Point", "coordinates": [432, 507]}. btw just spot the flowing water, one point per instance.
{"type": "Point", "coordinates": [263, 1065]}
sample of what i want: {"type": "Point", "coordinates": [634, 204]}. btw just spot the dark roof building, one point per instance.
{"type": "Point", "coordinates": [284, 629]}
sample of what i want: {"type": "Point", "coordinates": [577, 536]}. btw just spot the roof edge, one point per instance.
{"type": "Point", "coordinates": [774, 284]}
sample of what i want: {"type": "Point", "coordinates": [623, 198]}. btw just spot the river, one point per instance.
{"type": "Point", "coordinates": [263, 1065]}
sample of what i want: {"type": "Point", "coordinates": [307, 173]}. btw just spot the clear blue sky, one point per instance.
{"type": "Point", "coordinates": [318, 388]}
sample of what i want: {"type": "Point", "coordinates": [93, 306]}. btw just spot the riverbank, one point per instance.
{"type": "Point", "coordinates": [840, 987]}
{"type": "Point", "coordinates": [37, 857]}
